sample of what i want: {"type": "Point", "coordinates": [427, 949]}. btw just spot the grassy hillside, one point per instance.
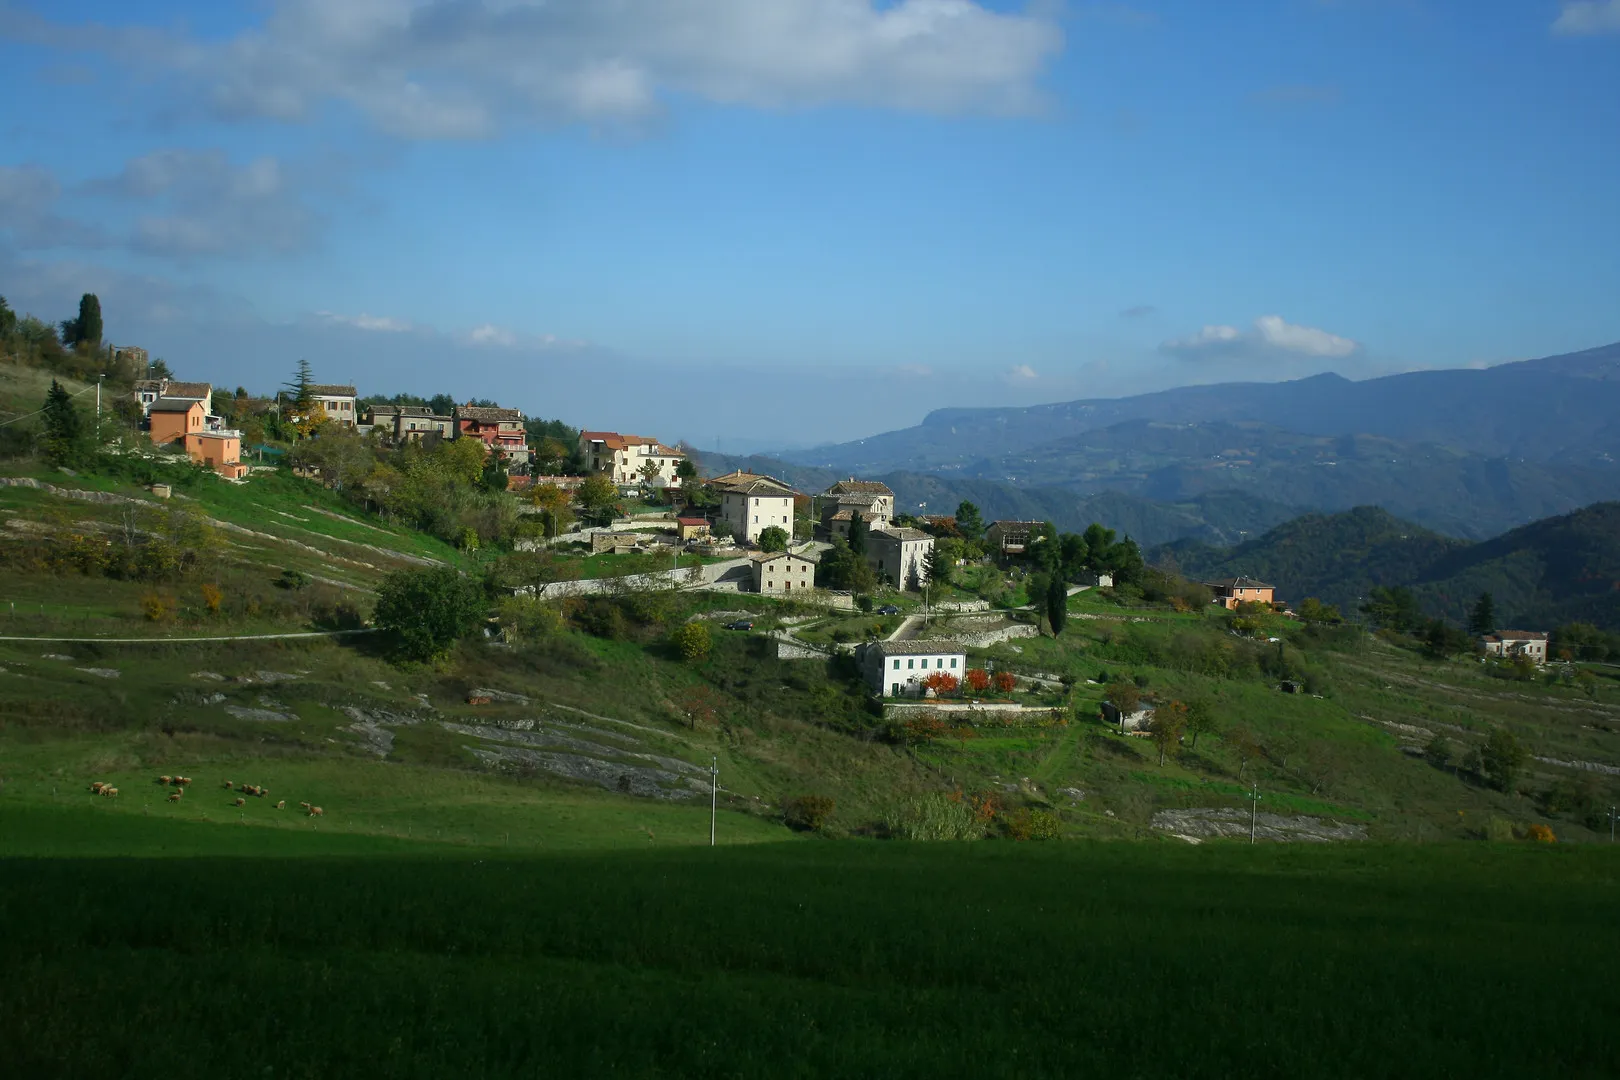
{"type": "Point", "coordinates": [1564, 569]}
{"type": "Point", "coordinates": [814, 960]}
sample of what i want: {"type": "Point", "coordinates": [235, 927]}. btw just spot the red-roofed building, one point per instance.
{"type": "Point", "coordinates": [624, 457]}
{"type": "Point", "coordinates": [500, 429]}
{"type": "Point", "coordinates": [692, 528]}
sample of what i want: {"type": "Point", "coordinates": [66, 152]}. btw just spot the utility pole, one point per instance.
{"type": "Point", "coordinates": [99, 377]}
{"type": "Point", "coordinates": [1254, 808]}
{"type": "Point", "coordinates": [714, 793]}
{"type": "Point", "coordinates": [1611, 824]}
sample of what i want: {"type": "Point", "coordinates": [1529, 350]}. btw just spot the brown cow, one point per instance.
{"type": "Point", "coordinates": [175, 797]}
{"type": "Point", "coordinates": [241, 802]}
{"type": "Point", "coordinates": [282, 805]}
{"type": "Point", "coordinates": [182, 781]}
{"type": "Point", "coordinates": [95, 788]}
{"type": "Point", "coordinates": [228, 785]}
{"type": "Point", "coordinates": [164, 780]}
{"type": "Point", "coordinates": [316, 811]}
{"type": "Point", "coordinates": [109, 790]}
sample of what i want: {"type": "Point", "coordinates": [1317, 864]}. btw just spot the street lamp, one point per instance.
{"type": "Point", "coordinates": [99, 377]}
{"type": "Point", "coordinates": [1254, 808]}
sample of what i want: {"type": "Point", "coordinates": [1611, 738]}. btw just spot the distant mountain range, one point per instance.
{"type": "Point", "coordinates": [1467, 452]}
{"type": "Point", "coordinates": [1562, 569]}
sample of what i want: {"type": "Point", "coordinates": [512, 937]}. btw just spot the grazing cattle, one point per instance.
{"type": "Point", "coordinates": [304, 805]}
{"type": "Point", "coordinates": [164, 780]}
{"type": "Point", "coordinates": [109, 790]}
{"type": "Point", "coordinates": [282, 805]}
{"type": "Point", "coordinates": [95, 788]}
{"type": "Point", "coordinates": [241, 802]}
{"type": "Point", "coordinates": [175, 797]}
{"type": "Point", "coordinates": [228, 785]}
{"type": "Point", "coordinates": [316, 811]}
{"type": "Point", "coordinates": [182, 781]}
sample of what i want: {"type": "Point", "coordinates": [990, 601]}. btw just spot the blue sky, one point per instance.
{"type": "Point", "coordinates": [777, 222]}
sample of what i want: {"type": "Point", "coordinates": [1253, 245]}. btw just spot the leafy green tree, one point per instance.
{"type": "Point", "coordinates": [968, 521]}
{"type": "Point", "coordinates": [938, 564]}
{"type": "Point", "coordinates": [694, 641]}
{"type": "Point", "coordinates": [494, 476]}
{"type": "Point", "coordinates": [1394, 608]}
{"type": "Point", "coordinates": [773, 538]}
{"type": "Point", "coordinates": [686, 469]}
{"type": "Point", "coordinates": [1442, 640]}
{"type": "Point", "coordinates": [1314, 611]}
{"type": "Point", "coordinates": [1200, 719]}
{"type": "Point", "coordinates": [1098, 541]}
{"type": "Point", "coordinates": [598, 497]}
{"type": "Point", "coordinates": [64, 435]}
{"type": "Point", "coordinates": [8, 319]}
{"type": "Point", "coordinates": [1503, 758]}
{"type": "Point", "coordinates": [1482, 620]}
{"type": "Point", "coordinates": [159, 369]}
{"type": "Point", "coordinates": [1057, 604]}
{"type": "Point", "coordinates": [1169, 721]}
{"type": "Point", "coordinates": [1125, 695]}
{"type": "Point", "coordinates": [428, 610]}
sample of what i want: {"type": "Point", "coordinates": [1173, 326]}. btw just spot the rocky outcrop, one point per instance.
{"type": "Point", "coordinates": [1210, 822]}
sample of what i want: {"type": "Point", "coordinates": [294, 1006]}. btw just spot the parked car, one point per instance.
{"type": "Point", "coordinates": [740, 624]}
{"type": "Point", "coordinates": [888, 609]}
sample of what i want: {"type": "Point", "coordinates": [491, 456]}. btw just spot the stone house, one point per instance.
{"type": "Point", "coordinates": [838, 505]}
{"type": "Point", "coordinates": [899, 556]}
{"type": "Point", "coordinates": [899, 668]}
{"type": "Point", "coordinates": [692, 528]}
{"type": "Point", "coordinates": [1011, 537]}
{"type": "Point", "coordinates": [400, 424]}
{"type": "Point", "coordinates": [781, 573]}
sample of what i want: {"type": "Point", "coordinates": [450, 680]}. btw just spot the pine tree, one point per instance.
{"type": "Point", "coordinates": [1483, 619]}
{"type": "Point", "coordinates": [64, 428]}
{"type": "Point", "coordinates": [88, 323]}
{"type": "Point", "coordinates": [299, 386]}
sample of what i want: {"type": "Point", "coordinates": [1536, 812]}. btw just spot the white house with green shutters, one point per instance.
{"type": "Point", "coordinates": [899, 668]}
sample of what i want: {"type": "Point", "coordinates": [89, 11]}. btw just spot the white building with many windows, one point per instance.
{"type": "Point", "coordinates": [338, 401]}
{"type": "Point", "coordinates": [899, 556]}
{"type": "Point", "coordinates": [751, 503]}
{"type": "Point", "coordinates": [630, 459]}
{"type": "Point", "coordinates": [900, 668]}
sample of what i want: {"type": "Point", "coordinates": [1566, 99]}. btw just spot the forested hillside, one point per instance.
{"type": "Point", "coordinates": [1551, 572]}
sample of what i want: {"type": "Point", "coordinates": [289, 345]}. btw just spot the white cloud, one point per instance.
{"type": "Point", "coordinates": [28, 198]}
{"type": "Point", "coordinates": [373, 323]}
{"type": "Point", "coordinates": [1271, 335]}
{"type": "Point", "coordinates": [488, 334]}
{"type": "Point", "coordinates": [448, 70]}
{"type": "Point", "coordinates": [1580, 17]}
{"type": "Point", "coordinates": [1022, 372]}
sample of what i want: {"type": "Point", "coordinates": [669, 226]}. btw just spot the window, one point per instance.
{"type": "Point", "coordinates": [912, 663]}
{"type": "Point", "coordinates": [756, 519]}
{"type": "Point", "coordinates": [897, 665]}
{"type": "Point", "coordinates": [953, 661]}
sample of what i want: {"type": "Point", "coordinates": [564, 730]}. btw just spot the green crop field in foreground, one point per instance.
{"type": "Point", "coordinates": [815, 959]}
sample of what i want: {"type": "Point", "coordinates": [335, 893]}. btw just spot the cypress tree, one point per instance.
{"type": "Point", "coordinates": [1057, 604]}
{"type": "Point", "coordinates": [857, 534]}
{"type": "Point", "coordinates": [88, 326]}
{"type": "Point", "coordinates": [1483, 619]}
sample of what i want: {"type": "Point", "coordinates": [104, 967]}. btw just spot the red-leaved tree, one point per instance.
{"type": "Point", "coordinates": [1005, 682]}
{"type": "Point", "coordinates": [941, 683]}
{"type": "Point", "coordinates": [977, 679]}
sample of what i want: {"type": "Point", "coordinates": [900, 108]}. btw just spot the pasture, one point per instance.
{"type": "Point", "coordinates": [810, 959]}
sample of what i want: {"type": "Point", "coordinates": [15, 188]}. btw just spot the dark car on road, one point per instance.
{"type": "Point", "coordinates": [888, 609]}
{"type": "Point", "coordinates": [740, 624]}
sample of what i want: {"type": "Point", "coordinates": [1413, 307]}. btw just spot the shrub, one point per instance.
{"type": "Point", "coordinates": [693, 641]}
{"type": "Point", "coordinates": [156, 608]}
{"type": "Point", "coordinates": [1541, 834]}
{"type": "Point", "coordinates": [977, 680]}
{"type": "Point", "coordinates": [1005, 682]}
{"type": "Point", "coordinates": [525, 619]}
{"type": "Point", "coordinates": [212, 596]}
{"type": "Point", "coordinates": [773, 538]}
{"type": "Point", "coordinates": [864, 602]}
{"type": "Point", "coordinates": [1027, 824]}
{"type": "Point", "coordinates": [292, 580]}
{"type": "Point", "coordinates": [808, 813]}
{"type": "Point", "coordinates": [428, 610]}
{"type": "Point", "coordinates": [1502, 758]}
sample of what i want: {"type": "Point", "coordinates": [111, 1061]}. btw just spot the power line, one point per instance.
{"type": "Point", "coordinates": [39, 410]}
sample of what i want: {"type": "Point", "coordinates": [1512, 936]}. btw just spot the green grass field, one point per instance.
{"type": "Point", "coordinates": [327, 957]}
